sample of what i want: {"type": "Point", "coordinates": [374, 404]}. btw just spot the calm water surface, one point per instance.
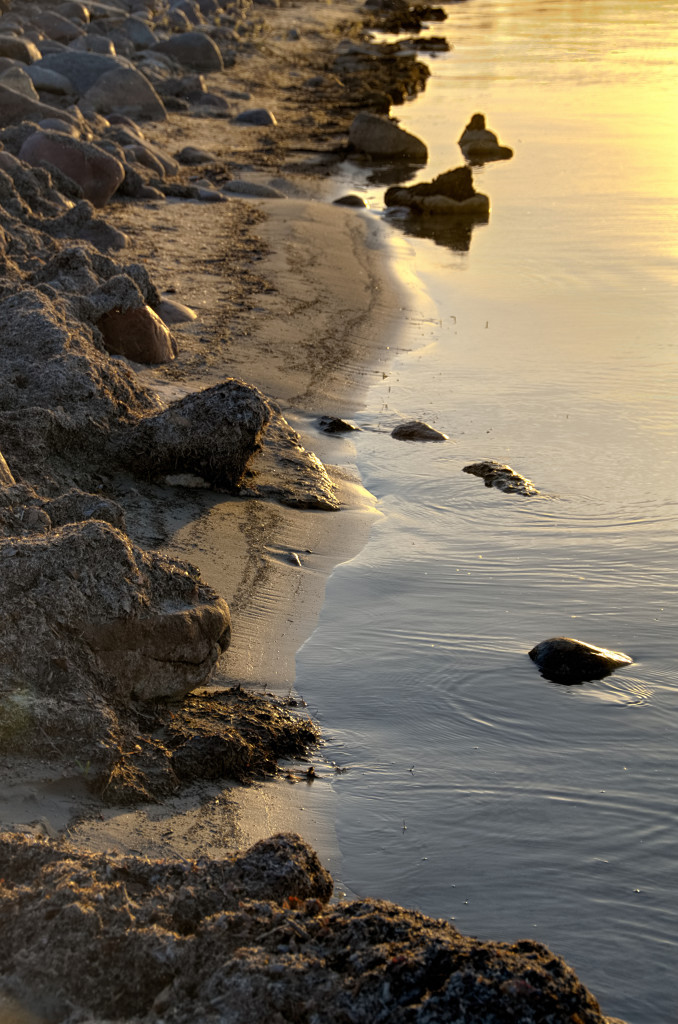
{"type": "Point", "coordinates": [475, 789]}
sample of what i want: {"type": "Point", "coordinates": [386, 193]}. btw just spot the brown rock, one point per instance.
{"type": "Point", "coordinates": [138, 334]}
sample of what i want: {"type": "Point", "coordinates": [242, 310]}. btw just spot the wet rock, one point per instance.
{"type": "Point", "coordinates": [211, 434]}
{"type": "Point", "coordinates": [451, 193]}
{"type": "Point", "coordinates": [496, 474]}
{"type": "Point", "coordinates": [97, 173]}
{"type": "Point", "coordinates": [479, 145]}
{"type": "Point", "coordinates": [333, 425]}
{"type": "Point", "coordinates": [120, 937]}
{"type": "Point", "coordinates": [379, 137]}
{"type": "Point", "coordinates": [415, 430]}
{"type": "Point", "coordinates": [350, 200]}
{"type": "Point", "coordinates": [564, 660]}
{"type": "Point", "coordinates": [124, 91]}
{"type": "Point", "coordinates": [194, 50]}
{"type": "Point", "coordinates": [138, 334]}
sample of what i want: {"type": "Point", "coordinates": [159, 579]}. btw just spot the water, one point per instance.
{"type": "Point", "coordinates": [475, 789]}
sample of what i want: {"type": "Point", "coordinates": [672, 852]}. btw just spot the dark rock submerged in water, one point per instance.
{"type": "Point", "coordinates": [564, 660]}
{"type": "Point", "coordinates": [496, 474]}
{"type": "Point", "coordinates": [251, 938]}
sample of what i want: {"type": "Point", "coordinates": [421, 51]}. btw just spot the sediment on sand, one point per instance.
{"type": "Point", "coordinates": [150, 565]}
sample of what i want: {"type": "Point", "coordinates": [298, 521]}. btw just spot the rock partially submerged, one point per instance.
{"type": "Point", "coordinates": [415, 430]}
{"type": "Point", "coordinates": [479, 145]}
{"type": "Point", "coordinates": [564, 660]}
{"type": "Point", "coordinates": [450, 194]}
{"type": "Point", "coordinates": [496, 474]}
{"type": "Point", "coordinates": [248, 938]}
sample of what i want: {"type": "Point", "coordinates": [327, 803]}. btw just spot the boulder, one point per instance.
{"type": "Point", "coordinates": [82, 69]}
{"type": "Point", "coordinates": [18, 48]}
{"type": "Point", "coordinates": [211, 434]}
{"type": "Point", "coordinates": [124, 91]}
{"type": "Point", "coordinates": [380, 137]}
{"type": "Point", "coordinates": [496, 474]}
{"type": "Point", "coordinates": [564, 660]}
{"type": "Point", "coordinates": [479, 145]}
{"type": "Point", "coordinates": [97, 173]}
{"type": "Point", "coordinates": [138, 334]}
{"type": "Point", "coordinates": [15, 107]}
{"type": "Point", "coordinates": [415, 430]}
{"type": "Point", "coordinates": [194, 50]}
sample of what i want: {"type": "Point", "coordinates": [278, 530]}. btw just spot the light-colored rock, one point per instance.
{"type": "Point", "coordinates": [138, 334]}
{"type": "Point", "coordinates": [381, 137]}
{"type": "Point", "coordinates": [124, 91]}
{"type": "Point", "coordinates": [194, 50]}
{"type": "Point", "coordinates": [98, 173]}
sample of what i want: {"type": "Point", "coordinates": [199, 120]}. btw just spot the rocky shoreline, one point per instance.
{"type": "Point", "coordinates": [140, 141]}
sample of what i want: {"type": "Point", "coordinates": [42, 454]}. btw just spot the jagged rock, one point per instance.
{"type": "Point", "coordinates": [380, 137]}
{"type": "Point", "coordinates": [194, 50]}
{"type": "Point", "coordinates": [252, 937]}
{"type": "Point", "coordinates": [564, 660]}
{"type": "Point", "coordinates": [138, 334]}
{"type": "Point", "coordinates": [479, 145]}
{"type": "Point", "coordinates": [496, 474]}
{"type": "Point", "coordinates": [415, 430]}
{"type": "Point", "coordinates": [211, 434]}
{"type": "Point", "coordinates": [124, 91]}
{"type": "Point", "coordinates": [97, 172]}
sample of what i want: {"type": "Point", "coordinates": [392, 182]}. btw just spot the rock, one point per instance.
{"type": "Point", "coordinates": [496, 474]}
{"type": "Point", "coordinates": [97, 173]}
{"type": "Point", "coordinates": [15, 107]}
{"type": "Point", "coordinates": [138, 334]}
{"type": "Point", "coordinates": [212, 434]}
{"type": "Point", "coordinates": [333, 425]}
{"type": "Point", "coordinates": [381, 137]}
{"type": "Point", "coordinates": [82, 69]}
{"type": "Point", "coordinates": [479, 145]}
{"type": "Point", "coordinates": [49, 81]}
{"type": "Point", "coordinates": [257, 116]}
{"type": "Point", "coordinates": [124, 91]}
{"type": "Point", "coordinates": [252, 188]}
{"type": "Point", "coordinates": [17, 79]}
{"type": "Point", "coordinates": [350, 200]}
{"type": "Point", "coordinates": [19, 48]}
{"type": "Point", "coordinates": [194, 50]}
{"type": "Point", "coordinates": [172, 312]}
{"type": "Point", "coordinates": [564, 660]}
{"type": "Point", "coordinates": [415, 430]}
{"type": "Point", "coordinates": [192, 156]}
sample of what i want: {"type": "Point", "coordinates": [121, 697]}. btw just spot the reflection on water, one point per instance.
{"type": "Point", "coordinates": [476, 789]}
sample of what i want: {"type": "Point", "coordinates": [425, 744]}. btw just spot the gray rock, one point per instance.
{"type": "Point", "coordinates": [381, 137]}
{"type": "Point", "coordinates": [211, 434]}
{"type": "Point", "coordinates": [124, 91]}
{"type": "Point", "coordinates": [564, 660]}
{"type": "Point", "coordinates": [82, 69]}
{"type": "Point", "coordinates": [496, 474]}
{"type": "Point", "coordinates": [258, 116]}
{"type": "Point", "coordinates": [415, 430]}
{"type": "Point", "coordinates": [194, 50]}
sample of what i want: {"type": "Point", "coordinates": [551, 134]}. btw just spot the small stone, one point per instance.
{"type": "Point", "coordinates": [415, 430]}
{"type": "Point", "coordinates": [564, 660]}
